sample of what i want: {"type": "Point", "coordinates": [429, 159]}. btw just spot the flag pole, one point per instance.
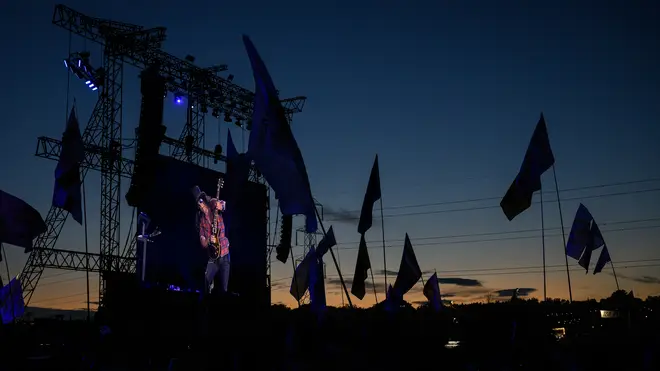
{"type": "Point", "coordinates": [373, 284]}
{"type": "Point", "coordinates": [545, 280]}
{"type": "Point", "coordinates": [295, 279]}
{"type": "Point", "coordinates": [339, 262]}
{"type": "Point", "coordinates": [614, 273]}
{"type": "Point", "coordinates": [382, 229]}
{"type": "Point", "coordinates": [332, 253]}
{"type": "Point", "coordinates": [84, 199]}
{"type": "Point", "coordinates": [563, 234]}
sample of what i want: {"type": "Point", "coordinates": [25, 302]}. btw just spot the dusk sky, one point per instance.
{"type": "Point", "coordinates": [446, 94]}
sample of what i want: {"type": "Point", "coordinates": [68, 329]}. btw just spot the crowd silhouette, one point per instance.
{"type": "Point", "coordinates": [514, 335]}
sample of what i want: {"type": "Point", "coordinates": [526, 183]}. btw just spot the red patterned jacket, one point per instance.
{"type": "Point", "coordinates": [205, 230]}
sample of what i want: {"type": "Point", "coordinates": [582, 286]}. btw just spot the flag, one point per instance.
{"type": "Point", "coordinates": [238, 169]}
{"type": "Point", "coordinates": [432, 292]}
{"type": "Point", "coordinates": [67, 195]}
{"type": "Point", "coordinates": [326, 243]}
{"type": "Point", "coordinates": [300, 280]}
{"type": "Point", "coordinates": [580, 231]}
{"type": "Point", "coordinates": [273, 148]}
{"type": "Point", "coordinates": [538, 159]}
{"type": "Point", "coordinates": [11, 301]}
{"type": "Point", "coordinates": [603, 259]}
{"type": "Point", "coordinates": [362, 265]}
{"type": "Point", "coordinates": [594, 241]}
{"type": "Point", "coordinates": [585, 237]}
{"type": "Point", "coordinates": [316, 283]}
{"type": "Point", "coordinates": [514, 294]}
{"type": "Point", "coordinates": [370, 197]}
{"type": "Point", "coordinates": [409, 271]}
{"type": "Point", "coordinates": [20, 223]}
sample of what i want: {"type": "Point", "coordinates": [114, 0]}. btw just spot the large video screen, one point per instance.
{"type": "Point", "coordinates": [175, 257]}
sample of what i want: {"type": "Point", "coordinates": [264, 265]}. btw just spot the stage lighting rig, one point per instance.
{"type": "Point", "coordinates": [217, 153]}
{"type": "Point", "coordinates": [78, 64]}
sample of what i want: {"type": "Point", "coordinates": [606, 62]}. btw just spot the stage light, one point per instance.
{"type": "Point", "coordinates": [88, 82]}
{"type": "Point", "coordinates": [217, 153]}
{"type": "Point", "coordinates": [178, 99]}
{"type": "Point", "coordinates": [66, 64]}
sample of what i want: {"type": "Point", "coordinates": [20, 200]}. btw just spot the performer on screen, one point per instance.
{"type": "Point", "coordinates": [212, 237]}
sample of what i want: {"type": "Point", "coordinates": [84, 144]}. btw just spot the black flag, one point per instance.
{"type": "Point", "coordinates": [361, 267]}
{"type": "Point", "coordinates": [370, 197]}
{"type": "Point", "coordinates": [538, 159]}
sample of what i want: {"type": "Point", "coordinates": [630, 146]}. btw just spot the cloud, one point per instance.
{"type": "Point", "coordinates": [507, 293]}
{"type": "Point", "coordinates": [465, 282]}
{"type": "Point", "coordinates": [280, 285]}
{"type": "Point", "coordinates": [641, 279]}
{"type": "Point", "coordinates": [380, 287]}
{"type": "Point", "coordinates": [341, 215]}
{"type": "Point", "coordinates": [381, 272]}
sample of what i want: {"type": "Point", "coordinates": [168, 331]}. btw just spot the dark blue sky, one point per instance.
{"type": "Point", "coordinates": [446, 94]}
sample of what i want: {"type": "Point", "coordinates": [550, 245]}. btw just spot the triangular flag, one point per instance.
{"type": "Point", "coordinates": [409, 271]}
{"type": "Point", "coordinates": [362, 266]}
{"type": "Point", "coordinates": [432, 292]}
{"type": "Point", "coordinates": [370, 197]}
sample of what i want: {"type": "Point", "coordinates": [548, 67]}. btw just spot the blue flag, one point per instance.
{"type": "Point", "coordinates": [585, 237]}
{"type": "Point", "coordinates": [20, 223]}
{"type": "Point", "coordinates": [326, 243]}
{"type": "Point", "coordinates": [370, 197]}
{"type": "Point", "coordinates": [580, 231]}
{"type": "Point", "coordinates": [538, 159]}
{"type": "Point", "coordinates": [603, 259]}
{"type": "Point", "coordinates": [362, 266]}
{"type": "Point", "coordinates": [67, 195]}
{"type": "Point", "coordinates": [432, 292]}
{"type": "Point", "coordinates": [300, 279]}
{"type": "Point", "coordinates": [273, 148]}
{"type": "Point", "coordinates": [316, 283]}
{"type": "Point", "coordinates": [409, 271]}
{"type": "Point", "coordinates": [238, 169]}
{"type": "Point", "coordinates": [12, 305]}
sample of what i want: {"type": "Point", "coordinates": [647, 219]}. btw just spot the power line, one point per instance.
{"type": "Point", "coordinates": [480, 240]}
{"type": "Point", "coordinates": [630, 264]}
{"type": "Point", "coordinates": [474, 208]}
{"type": "Point", "coordinates": [548, 191]}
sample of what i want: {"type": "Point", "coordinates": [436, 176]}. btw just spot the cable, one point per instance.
{"type": "Point", "coordinates": [497, 206]}
{"type": "Point", "coordinates": [551, 192]}
{"type": "Point", "coordinates": [520, 231]}
{"type": "Point", "coordinates": [560, 268]}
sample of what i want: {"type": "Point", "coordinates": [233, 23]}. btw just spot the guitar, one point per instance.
{"type": "Point", "coordinates": [214, 243]}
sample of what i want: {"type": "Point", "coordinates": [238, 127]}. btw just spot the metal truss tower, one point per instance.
{"type": "Point", "coordinates": [134, 45]}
